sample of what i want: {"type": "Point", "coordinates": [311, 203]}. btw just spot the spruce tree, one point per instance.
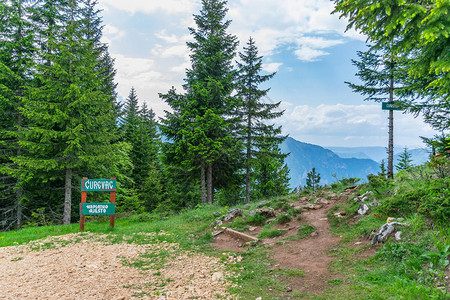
{"type": "Point", "coordinates": [382, 172]}
{"type": "Point", "coordinates": [17, 52]}
{"type": "Point", "coordinates": [418, 30]}
{"type": "Point", "coordinates": [253, 114]}
{"type": "Point", "coordinates": [202, 134]}
{"type": "Point", "coordinates": [270, 176]}
{"type": "Point", "coordinates": [312, 179]}
{"type": "Point", "coordinates": [405, 161]}
{"type": "Point", "coordinates": [382, 74]}
{"type": "Point", "coordinates": [151, 189]}
{"type": "Point", "coordinates": [69, 115]}
{"type": "Point", "coordinates": [131, 117]}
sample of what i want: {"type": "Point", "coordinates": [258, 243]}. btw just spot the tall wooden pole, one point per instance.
{"type": "Point", "coordinates": [390, 168]}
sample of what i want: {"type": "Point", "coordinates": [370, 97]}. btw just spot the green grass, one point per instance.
{"type": "Point", "coordinates": [271, 233]}
{"type": "Point", "coordinates": [283, 219]}
{"type": "Point", "coordinates": [303, 232]}
{"type": "Point", "coordinates": [408, 269]}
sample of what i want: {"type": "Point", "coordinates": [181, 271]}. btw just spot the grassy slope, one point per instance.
{"type": "Point", "coordinates": [399, 270]}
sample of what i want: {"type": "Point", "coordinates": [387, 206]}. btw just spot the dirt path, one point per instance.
{"type": "Point", "coordinates": [89, 267]}
{"type": "Point", "coordinates": [310, 254]}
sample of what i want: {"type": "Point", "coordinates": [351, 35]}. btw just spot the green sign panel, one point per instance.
{"type": "Point", "coordinates": [94, 209]}
{"type": "Point", "coordinates": [98, 185]}
{"type": "Point", "coordinates": [391, 106]}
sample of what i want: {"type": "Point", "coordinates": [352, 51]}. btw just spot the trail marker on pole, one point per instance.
{"type": "Point", "coordinates": [391, 106]}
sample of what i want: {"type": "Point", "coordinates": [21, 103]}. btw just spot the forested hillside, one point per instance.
{"type": "Point", "coordinates": [61, 120]}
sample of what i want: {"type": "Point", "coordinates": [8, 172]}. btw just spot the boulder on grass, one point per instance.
{"type": "Point", "coordinates": [232, 213]}
{"type": "Point", "coordinates": [267, 212]}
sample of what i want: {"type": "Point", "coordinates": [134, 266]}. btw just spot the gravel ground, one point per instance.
{"type": "Point", "coordinates": [87, 266]}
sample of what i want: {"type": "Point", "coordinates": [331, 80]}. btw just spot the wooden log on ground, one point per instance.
{"type": "Point", "coordinates": [239, 235]}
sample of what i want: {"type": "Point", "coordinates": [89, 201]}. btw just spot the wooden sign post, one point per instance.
{"type": "Point", "coordinates": [91, 209]}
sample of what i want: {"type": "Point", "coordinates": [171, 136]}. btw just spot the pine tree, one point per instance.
{"type": "Point", "coordinates": [202, 134]}
{"type": "Point", "coordinates": [16, 64]}
{"type": "Point", "coordinates": [147, 165]}
{"type": "Point", "coordinates": [418, 30]}
{"type": "Point", "coordinates": [404, 163]}
{"type": "Point", "coordinates": [312, 179]}
{"type": "Point", "coordinates": [253, 113]}
{"type": "Point", "coordinates": [270, 176]}
{"type": "Point", "coordinates": [131, 117]}
{"type": "Point", "coordinates": [382, 75]}
{"type": "Point", "coordinates": [69, 114]}
{"type": "Point", "coordinates": [382, 172]}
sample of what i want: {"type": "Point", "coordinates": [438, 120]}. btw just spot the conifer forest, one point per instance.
{"type": "Point", "coordinates": [61, 120]}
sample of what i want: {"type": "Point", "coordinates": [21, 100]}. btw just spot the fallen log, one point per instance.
{"type": "Point", "coordinates": [239, 235]}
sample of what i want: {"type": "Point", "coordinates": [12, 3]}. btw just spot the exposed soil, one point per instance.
{"type": "Point", "coordinates": [89, 267]}
{"type": "Point", "coordinates": [227, 242]}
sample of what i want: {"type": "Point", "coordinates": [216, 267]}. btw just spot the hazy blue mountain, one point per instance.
{"type": "Point", "coordinates": [305, 156]}
{"type": "Point", "coordinates": [418, 155]}
{"type": "Point", "coordinates": [374, 153]}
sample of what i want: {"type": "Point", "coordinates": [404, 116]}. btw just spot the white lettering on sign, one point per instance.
{"type": "Point", "coordinates": [97, 209]}
{"type": "Point", "coordinates": [99, 185]}
{"type": "Point", "coordinates": [96, 206]}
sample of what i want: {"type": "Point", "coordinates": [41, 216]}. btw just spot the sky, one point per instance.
{"type": "Point", "coordinates": [301, 40]}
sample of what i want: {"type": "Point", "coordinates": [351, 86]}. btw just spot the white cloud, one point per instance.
{"type": "Point", "coordinates": [151, 6]}
{"type": "Point", "coordinates": [172, 51]}
{"type": "Point", "coordinates": [112, 33]}
{"type": "Point", "coordinates": [317, 42]}
{"type": "Point", "coordinates": [350, 125]}
{"type": "Point", "coordinates": [272, 67]}
{"type": "Point", "coordinates": [142, 74]}
{"type": "Point", "coordinates": [308, 54]}
{"type": "Point", "coordinates": [305, 25]}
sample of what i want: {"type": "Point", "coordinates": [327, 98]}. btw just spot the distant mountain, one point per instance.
{"type": "Point", "coordinates": [418, 155]}
{"type": "Point", "coordinates": [375, 153]}
{"type": "Point", "coordinates": [305, 156]}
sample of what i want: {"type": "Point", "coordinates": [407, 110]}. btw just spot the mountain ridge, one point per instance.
{"type": "Point", "coordinates": [304, 156]}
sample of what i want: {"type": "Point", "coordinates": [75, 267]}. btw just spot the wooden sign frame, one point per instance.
{"type": "Point", "coordinates": [112, 199]}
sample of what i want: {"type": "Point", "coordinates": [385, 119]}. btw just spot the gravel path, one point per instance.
{"type": "Point", "coordinates": [86, 266]}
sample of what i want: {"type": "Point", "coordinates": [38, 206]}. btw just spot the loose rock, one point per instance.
{"type": "Point", "coordinates": [232, 213]}
{"type": "Point", "coordinates": [385, 231]}
{"type": "Point", "coordinates": [267, 212]}
{"type": "Point", "coordinates": [363, 209]}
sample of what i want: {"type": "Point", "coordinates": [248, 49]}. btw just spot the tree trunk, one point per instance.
{"type": "Point", "coordinates": [390, 168]}
{"type": "Point", "coordinates": [203, 182]}
{"type": "Point", "coordinates": [210, 183]}
{"type": "Point", "coordinates": [68, 197]}
{"type": "Point", "coordinates": [19, 191]}
{"type": "Point", "coordinates": [247, 185]}
{"type": "Point", "coordinates": [249, 149]}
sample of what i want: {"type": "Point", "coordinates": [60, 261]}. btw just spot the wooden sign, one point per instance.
{"type": "Point", "coordinates": [101, 185]}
